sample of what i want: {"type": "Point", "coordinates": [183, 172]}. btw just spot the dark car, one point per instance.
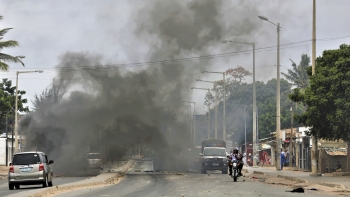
{"type": "Point", "coordinates": [95, 161]}
{"type": "Point", "coordinates": [30, 168]}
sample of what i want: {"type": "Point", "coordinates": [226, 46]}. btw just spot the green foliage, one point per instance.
{"type": "Point", "coordinates": [242, 95]}
{"type": "Point", "coordinates": [298, 75]}
{"type": "Point", "coordinates": [327, 98]}
{"type": "Point", "coordinates": [48, 97]}
{"type": "Point", "coordinates": [7, 103]}
{"type": "Point", "coordinates": [4, 58]}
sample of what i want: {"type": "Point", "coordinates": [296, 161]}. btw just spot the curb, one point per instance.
{"type": "Point", "coordinates": [73, 187]}
{"type": "Point", "coordinates": [292, 179]}
{"type": "Point", "coordinates": [339, 186]}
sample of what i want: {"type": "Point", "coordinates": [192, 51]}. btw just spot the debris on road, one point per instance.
{"type": "Point", "coordinates": [297, 190]}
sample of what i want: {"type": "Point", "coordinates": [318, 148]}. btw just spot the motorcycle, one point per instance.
{"type": "Point", "coordinates": [235, 165]}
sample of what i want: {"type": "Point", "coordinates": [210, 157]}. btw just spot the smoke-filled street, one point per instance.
{"type": "Point", "coordinates": [184, 88]}
{"type": "Point", "coordinates": [140, 181]}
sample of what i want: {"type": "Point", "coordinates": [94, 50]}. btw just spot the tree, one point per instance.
{"type": "Point", "coordinates": [235, 76]}
{"type": "Point", "coordinates": [298, 75]}
{"type": "Point", "coordinates": [327, 97]}
{"type": "Point", "coordinates": [5, 57]}
{"type": "Point", "coordinates": [7, 103]}
{"type": "Point", "coordinates": [48, 97]}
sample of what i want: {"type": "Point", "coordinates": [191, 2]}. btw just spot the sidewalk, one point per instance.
{"type": "Point", "coordinates": [301, 178]}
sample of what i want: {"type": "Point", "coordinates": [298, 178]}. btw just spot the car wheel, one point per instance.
{"type": "Point", "coordinates": [45, 184]}
{"type": "Point", "coordinates": [11, 186]}
{"type": "Point", "coordinates": [17, 186]}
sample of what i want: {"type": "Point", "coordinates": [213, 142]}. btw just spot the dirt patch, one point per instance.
{"type": "Point", "coordinates": [63, 189]}
{"type": "Point", "coordinates": [3, 172]}
{"type": "Point", "coordinates": [295, 183]}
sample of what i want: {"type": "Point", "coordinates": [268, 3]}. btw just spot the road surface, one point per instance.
{"type": "Point", "coordinates": [141, 181]}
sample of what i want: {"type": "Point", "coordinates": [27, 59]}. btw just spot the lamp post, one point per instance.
{"type": "Point", "coordinates": [254, 97]}
{"type": "Point", "coordinates": [16, 106]}
{"type": "Point", "coordinates": [188, 107]}
{"type": "Point", "coordinates": [194, 120]}
{"type": "Point", "coordinates": [224, 107]}
{"type": "Point", "coordinates": [208, 108]}
{"type": "Point", "coordinates": [216, 105]}
{"type": "Point", "coordinates": [278, 118]}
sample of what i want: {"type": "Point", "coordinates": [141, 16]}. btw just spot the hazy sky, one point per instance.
{"type": "Point", "coordinates": [45, 29]}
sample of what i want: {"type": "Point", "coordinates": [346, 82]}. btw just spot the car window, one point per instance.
{"type": "Point", "coordinates": [214, 152]}
{"type": "Point", "coordinates": [46, 159]}
{"type": "Point", "coordinates": [93, 156]}
{"type": "Point", "coordinates": [25, 159]}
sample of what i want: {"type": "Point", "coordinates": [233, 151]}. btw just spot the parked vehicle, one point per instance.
{"type": "Point", "coordinates": [95, 160]}
{"type": "Point", "coordinates": [30, 168]}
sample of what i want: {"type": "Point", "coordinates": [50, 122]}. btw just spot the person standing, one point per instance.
{"type": "Point", "coordinates": [283, 158]}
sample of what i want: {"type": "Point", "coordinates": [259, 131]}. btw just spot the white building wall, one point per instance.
{"type": "Point", "coordinates": [2, 151]}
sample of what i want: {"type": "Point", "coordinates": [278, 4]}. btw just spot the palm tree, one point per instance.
{"type": "Point", "coordinates": [298, 75]}
{"type": "Point", "coordinates": [7, 44]}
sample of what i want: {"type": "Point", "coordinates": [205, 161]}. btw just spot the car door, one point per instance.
{"type": "Point", "coordinates": [48, 168]}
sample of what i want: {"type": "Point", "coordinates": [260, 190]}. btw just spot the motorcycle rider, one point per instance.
{"type": "Point", "coordinates": [236, 156]}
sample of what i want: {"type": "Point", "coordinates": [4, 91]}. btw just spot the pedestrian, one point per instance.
{"type": "Point", "coordinates": [245, 159]}
{"type": "Point", "coordinates": [257, 159]}
{"type": "Point", "coordinates": [283, 157]}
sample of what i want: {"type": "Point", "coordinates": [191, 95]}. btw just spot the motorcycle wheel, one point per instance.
{"type": "Point", "coordinates": [235, 175]}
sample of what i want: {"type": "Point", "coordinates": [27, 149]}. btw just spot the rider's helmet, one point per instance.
{"type": "Point", "coordinates": [235, 150]}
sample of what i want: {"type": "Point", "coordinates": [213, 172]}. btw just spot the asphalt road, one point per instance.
{"type": "Point", "coordinates": [140, 181]}
{"type": "Point", "coordinates": [4, 190]}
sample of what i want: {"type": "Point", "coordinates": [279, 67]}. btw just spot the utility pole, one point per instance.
{"type": "Point", "coordinates": [314, 138]}
{"type": "Point", "coordinates": [291, 139]}
{"type": "Point", "coordinates": [245, 134]}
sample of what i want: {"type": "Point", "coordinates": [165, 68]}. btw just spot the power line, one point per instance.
{"type": "Point", "coordinates": [209, 56]}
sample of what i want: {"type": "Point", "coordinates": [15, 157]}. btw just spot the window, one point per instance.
{"type": "Point", "coordinates": [94, 156]}
{"type": "Point", "coordinates": [214, 152]}
{"type": "Point", "coordinates": [25, 159]}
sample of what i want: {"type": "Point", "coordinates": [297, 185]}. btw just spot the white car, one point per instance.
{"type": "Point", "coordinates": [30, 168]}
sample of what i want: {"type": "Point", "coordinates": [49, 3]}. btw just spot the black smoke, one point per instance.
{"type": "Point", "coordinates": [111, 110]}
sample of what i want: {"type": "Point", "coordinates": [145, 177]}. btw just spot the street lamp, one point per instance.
{"type": "Point", "coordinates": [208, 108]}
{"type": "Point", "coordinates": [16, 106]}
{"type": "Point", "coordinates": [194, 120]}
{"type": "Point", "coordinates": [278, 118]}
{"type": "Point", "coordinates": [254, 96]}
{"type": "Point", "coordinates": [224, 107]}
{"type": "Point", "coordinates": [216, 105]}
{"type": "Point", "coordinates": [188, 107]}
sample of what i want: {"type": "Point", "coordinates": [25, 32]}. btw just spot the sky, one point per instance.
{"type": "Point", "coordinates": [47, 29]}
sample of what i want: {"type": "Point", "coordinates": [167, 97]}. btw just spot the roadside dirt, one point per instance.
{"type": "Point", "coordinates": [292, 184]}
{"type": "Point", "coordinates": [3, 172]}
{"type": "Point", "coordinates": [55, 190]}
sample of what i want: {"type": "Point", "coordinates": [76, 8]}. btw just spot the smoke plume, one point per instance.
{"type": "Point", "coordinates": [109, 110]}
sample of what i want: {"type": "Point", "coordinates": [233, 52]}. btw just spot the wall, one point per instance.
{"type": "Point", "coordinates": [329, 162]}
